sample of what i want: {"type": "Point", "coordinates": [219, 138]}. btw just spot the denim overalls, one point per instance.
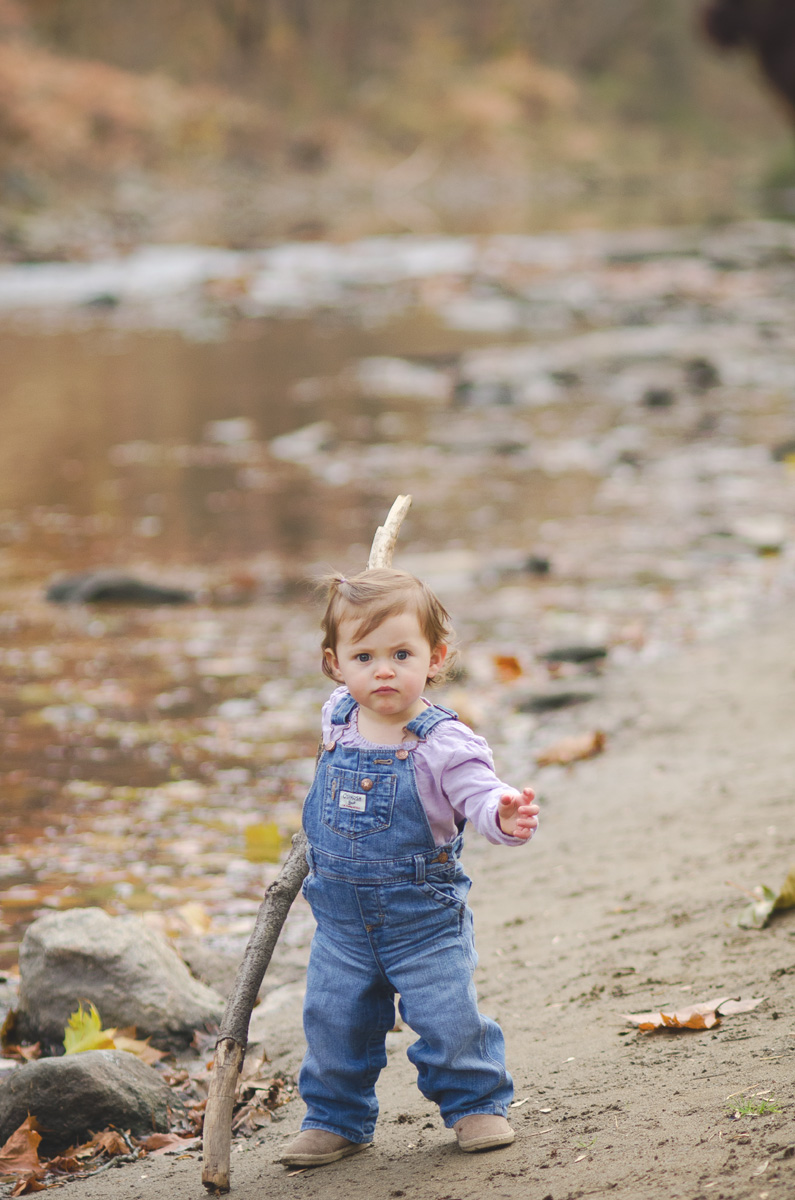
{"type": "Point", "coordinates": [391, 917]}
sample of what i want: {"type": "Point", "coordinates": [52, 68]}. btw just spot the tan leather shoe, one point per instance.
{"type": "Point", "coordinates": [316, 1147]}
{"type": "Point", "coordinates": [483, 1131]}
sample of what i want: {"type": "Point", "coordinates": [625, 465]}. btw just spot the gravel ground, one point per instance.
{"type": "Point", "coordinates": [620, 905]}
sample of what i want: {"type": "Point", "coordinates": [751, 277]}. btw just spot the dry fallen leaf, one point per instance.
{"type": "Point", "coordinates": [30, 1183]}
{"type": "Point", "coordinates": [263, 842]}
{"type": "Point", "coordinates": [159, 1143]}
{"type": "Point", "coordinates": [571, 749]}
{"type": "Point", "coordinates": [764, 902]}
{"type": "Point", "coordinates": [195, 916]}
{"type": "Point", "coordinates": [23, 1053]}
{"type": "Point", "coordinates": [65, 1164]}
{"type": "Point", "coordinates": [85, 1032]}
{"type": "Point", "coordinates": [507, 667]}
{"type": "Point", "coordinates": [694, 1016]}
{"type": "Point", "coordinates": [729, 1007]}
{"type": "Point", "coordinates": [20, 1154]}
{"type": "Point", "coordinates": [786, 895]}
{"type": "Point", "coordinates": [141, 1049]}
{"type": "Point", "coordinates": [107, 1141]}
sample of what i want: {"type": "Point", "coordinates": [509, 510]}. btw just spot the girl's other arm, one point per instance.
{"type": "Point", "coordinates": [517, 815]}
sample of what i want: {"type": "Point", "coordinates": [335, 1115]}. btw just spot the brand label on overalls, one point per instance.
{"type": "Point", "coordinates": [355, 801]}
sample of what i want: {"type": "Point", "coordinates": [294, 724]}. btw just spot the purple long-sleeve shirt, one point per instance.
{"type": "Point", "coordinates": [455, 776]}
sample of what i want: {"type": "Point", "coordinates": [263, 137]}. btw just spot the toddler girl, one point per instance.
{"type": "Point", "coordinates": [396, 781]}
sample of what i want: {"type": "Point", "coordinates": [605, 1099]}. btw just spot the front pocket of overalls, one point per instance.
{"type": "Point", "coordinates": [450, 896]}
{"type": "Point", "coordinates": [358, 803]}
{"type": "Point", "coordinates": [450, 893]}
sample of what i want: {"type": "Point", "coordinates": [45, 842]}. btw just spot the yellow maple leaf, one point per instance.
{"type": "Point", "coordinates": [85, 1032]}
{"type": "Point", "coordinates": [263, 842]}
{"type": "Point", "coordinates": [786, 897]}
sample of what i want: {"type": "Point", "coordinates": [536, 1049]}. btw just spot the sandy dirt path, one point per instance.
{"type": "Point", "coordinates": [621, 904]}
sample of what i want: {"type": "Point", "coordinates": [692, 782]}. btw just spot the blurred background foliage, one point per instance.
{"type": "Point", "coordinates": [609, 88]}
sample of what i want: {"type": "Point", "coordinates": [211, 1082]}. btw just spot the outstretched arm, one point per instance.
{"type": "Point", "coordinates": [517, 814]}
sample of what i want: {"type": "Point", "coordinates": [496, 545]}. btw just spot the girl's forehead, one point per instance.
{"type": "Point", "coordinates": [402, 625]}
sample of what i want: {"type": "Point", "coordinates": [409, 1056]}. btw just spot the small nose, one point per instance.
{"type": "Point", "coordinates": [384, 670]}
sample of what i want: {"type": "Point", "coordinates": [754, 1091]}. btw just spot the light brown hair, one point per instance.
{"type": "Point", "coordinates": [371, 597]}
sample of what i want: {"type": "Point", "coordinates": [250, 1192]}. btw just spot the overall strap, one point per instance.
{"type": "Point", "coordinates": [343, 709]}
{"type": "Point", "coordinates": [422, 725]}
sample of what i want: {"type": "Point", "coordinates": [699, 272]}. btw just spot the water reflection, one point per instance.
{"type": "Point", "coordinates": [119, 446]}
{"type": "Point", "coordinates": [70, 398]}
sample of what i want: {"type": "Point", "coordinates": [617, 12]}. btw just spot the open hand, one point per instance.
{"type": "Point", "coordinates": [517, 815]}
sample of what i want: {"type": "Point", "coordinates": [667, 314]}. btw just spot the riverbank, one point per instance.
{"type": "Point", "coordinates": [620, 905]}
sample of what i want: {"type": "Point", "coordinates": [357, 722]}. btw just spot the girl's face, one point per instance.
{"type": "Point", "coordinates": [386, 671]}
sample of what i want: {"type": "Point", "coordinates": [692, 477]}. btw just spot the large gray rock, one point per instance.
{"type": "Point", "coordinates": [132, 975]}
{"type": "Point", "coordinates": [80, 1093]}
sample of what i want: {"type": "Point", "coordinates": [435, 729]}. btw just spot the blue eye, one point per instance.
{"type": "Point", "coordinates": [402, 655]}
{"type": "Point", "coordinates": [363, 657]}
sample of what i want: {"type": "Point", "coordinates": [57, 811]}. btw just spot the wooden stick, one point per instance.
{"type": "Point", "coordinates": [386, 535]}
{"type": "Point", "coordinates": [230, 1048]}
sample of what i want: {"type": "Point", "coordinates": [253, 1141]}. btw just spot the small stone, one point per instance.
{"type": "Point", "coordinates": [113, 587]}
{"type": "Point", "coordinates": [550, 701]}
{"type": "Point", "coordinates": [658, 398]}
{"type": "Point", "coordinates": [537, 564]}
{"type": "Point", "coordinates": [574, 654]}
{"type": "Point", "coordinates": [482, 393]}
{"type": "Point", "coordinates": [701, 374]}
{"type": "Point", "coordinates": [766, 534]}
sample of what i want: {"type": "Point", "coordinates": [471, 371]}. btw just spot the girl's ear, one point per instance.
{"type": "Point", "coordinates": [438, 655]}
{"type": "Point", "coordinates": [332, 662]}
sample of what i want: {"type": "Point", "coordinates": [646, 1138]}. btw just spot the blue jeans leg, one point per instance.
{"type": "Point", "coordinates": [348, 1011]}
{"type": "Point", "coordinates": [428, 954]}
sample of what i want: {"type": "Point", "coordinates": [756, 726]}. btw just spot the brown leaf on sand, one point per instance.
{"type": "Point", "coordinates": [571, 749]}
{"type": "Point", "coordinates": [159, 1143]}
{"type": "Point", "coordinates": [126, 1040]}
{"type": "Point", "coordinates": [727, 1008]}
{"type": "Point", "coordinates": [108, 1141]}
{"type": "Point", "coordinates": [29, 1183]}
{"type": "Point", "coordinates": [20, 1154]}
{"type": "Point", "coordinates": [507, 667]}
{"type": "Point", "coordinates": [23, 1053]}
{"type": "Point", "coordinates": [64, 1164]}
{"type": "Point", "coordinates": [695, 1016]}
